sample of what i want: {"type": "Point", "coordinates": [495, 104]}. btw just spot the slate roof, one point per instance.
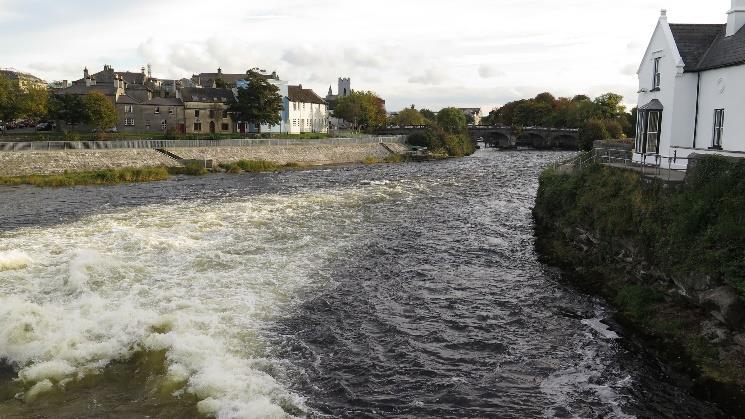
{"type": "Point", "coordinates": [207, 94]}
{"type": "Point", "coordinates": [81, 89]}
{"type": "Point", "coordinates": [165, 101]}
{"type": "Point", "coordinates": [705, 47]}
{"type": "Point", "coordinates": [300, 95]}
{"type": "Point", "coordinates": [126, 100]}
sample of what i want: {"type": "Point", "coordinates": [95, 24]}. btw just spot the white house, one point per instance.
{"type": "Point", "coordinates": [305, 111]}
{"type": "Point", "coordinates": [692, 90]}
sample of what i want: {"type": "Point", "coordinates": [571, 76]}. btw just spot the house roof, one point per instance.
{"type": "Point", "coordinates": [705, 47]}
{"type": "Point", "coordinates": [126, 100]}
{"type": "Point", "coordinates": [207, 94]}
{"type": "Point", "coordinates": [653, 105]}
{"type": "Point", "coordinates": [300, 95]}
{"type": "Point", "coordinates": [81, 89]}
{"type": "Point", "coordinates": [165, 101]}
{"type": "Point", "coordinates": [693, 41]}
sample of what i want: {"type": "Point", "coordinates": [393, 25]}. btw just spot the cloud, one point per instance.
{"type": "Point", "coordinates": [487, 71]}
{"type": "Point", "coordinates": [430, 76]}
{"type": "Point", "coordinates": [630, 70]}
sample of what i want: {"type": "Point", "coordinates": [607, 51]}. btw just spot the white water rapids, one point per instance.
{"type": "Point", "coordinates": [200, 280]}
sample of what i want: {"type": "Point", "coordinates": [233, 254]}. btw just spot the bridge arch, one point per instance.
{"type": "Point", "coordinates": [497, 139]}
{"type": "Point", "coordinates": [565, 141]}
{"type": "Point", "coordinates": [534, 140]}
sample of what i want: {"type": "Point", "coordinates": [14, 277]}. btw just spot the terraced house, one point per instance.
{"type": "Point", "coordinates": [206, 110]}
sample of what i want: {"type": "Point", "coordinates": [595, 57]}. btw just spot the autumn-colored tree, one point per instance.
{"type": "Point", "coordinates": [409, 116]}
{"type": "Point", "coordinates": [364, 110]}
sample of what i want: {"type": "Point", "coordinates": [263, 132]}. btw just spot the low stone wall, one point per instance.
{"type": "Point", "coordinates": [24, 163]}
{"type": "Point", "coordinates": [54, 162]}
{"type": "Point", "coordinates": [308, 154]}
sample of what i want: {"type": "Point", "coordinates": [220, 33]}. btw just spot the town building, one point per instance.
{"type": "Point", "coordinates": [206, 110]}
{"type": "Point", "coordinates": [227, 80]}
{"type": "Point", "coordinates": [25, 81]}
{"type": "Point", "coordinates": [305, 111]}
{"type": "Point", "coordinates": [691, 81]}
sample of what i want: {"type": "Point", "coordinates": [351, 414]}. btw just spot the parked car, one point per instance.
{"type": "Point", "coordinates": [45, 126]}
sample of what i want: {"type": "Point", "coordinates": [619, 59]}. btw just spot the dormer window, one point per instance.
{"type": "Point", "coordinates": [657, 76]}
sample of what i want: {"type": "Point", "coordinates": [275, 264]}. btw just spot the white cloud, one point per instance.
{"type": "Point", "coordinates": [429, 76]}
{"type": "Point", "coordinates": [488, 71]}
{"type": "Point", "coordinates": [565, 47]}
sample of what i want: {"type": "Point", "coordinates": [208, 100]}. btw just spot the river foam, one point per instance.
{"type": "Point", "coordinates": [200, 281]}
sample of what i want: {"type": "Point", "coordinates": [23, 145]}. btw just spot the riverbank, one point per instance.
{"type": "Point", "coordinates": [669, 258]}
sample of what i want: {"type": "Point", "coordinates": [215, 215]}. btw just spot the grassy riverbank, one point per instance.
{"type": "Point", "coordinates": [96, 177]}
{"type": "Point", "coordinates": [663, 255]}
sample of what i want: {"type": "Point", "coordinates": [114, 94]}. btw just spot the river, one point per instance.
{"type": "Point", "coordinates": [401, 290]}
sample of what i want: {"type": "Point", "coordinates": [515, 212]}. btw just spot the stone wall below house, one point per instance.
{"type": "Point", "coordinates": [308, 154]}
{"type": "Point", "coordinates": [25, 163]}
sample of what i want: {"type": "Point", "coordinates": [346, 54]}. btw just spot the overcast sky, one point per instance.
{"type": "Point", "coordinates": [432, 53]}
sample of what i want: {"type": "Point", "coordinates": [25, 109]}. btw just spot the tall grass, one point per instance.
{"type": "Point", "coordinates": [96, 177]}
{"type": "Point", "coordinates": [252, 166]}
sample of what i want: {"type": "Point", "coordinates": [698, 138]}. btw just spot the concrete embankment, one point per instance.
{"type": "Point", "coordinates": [23, 163]}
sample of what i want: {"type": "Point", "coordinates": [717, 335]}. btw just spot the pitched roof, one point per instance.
{"type": "Point", "coordinates": [207, 94]}
{"type": "Point", "coordinates": [300, 95]}
{"type": "Point", "coordinates": [165, 101]}
{"type": "Point", "coordinates": [81, 89]}
{"type": "Point", "coordinates": [705, 47]}
{"type": "Point", "coordinates": [693, 41]}
{"type": "Point", "coordinates": [126, 100]}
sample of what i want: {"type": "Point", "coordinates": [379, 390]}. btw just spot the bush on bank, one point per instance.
{"type": "Point", "coordinates": [638, 242]}
{"type": "Point", "coordinates": [438, 140]}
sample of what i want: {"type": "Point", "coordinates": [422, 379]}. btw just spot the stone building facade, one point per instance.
{"type": "Point", "coordinates": [206, 110]}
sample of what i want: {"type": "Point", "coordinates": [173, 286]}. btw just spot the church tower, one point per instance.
{"type": "Point", "coordinates": [345, 87]}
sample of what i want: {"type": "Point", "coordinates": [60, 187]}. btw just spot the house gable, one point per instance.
{"type": "Point", "coordinates": [663, 33]}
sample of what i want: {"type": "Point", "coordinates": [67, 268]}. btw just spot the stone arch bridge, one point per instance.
{"type": "Point", "coordinates": [507, 137]}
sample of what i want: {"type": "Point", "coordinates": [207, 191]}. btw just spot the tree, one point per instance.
{"type": "Point", "coordinates": [16, 102]}
{"type": "Point", "coordinates": [69, 109]}
{"type": "Point", "coordinates": [364, 110]}
{"type": "Point", "coordinates": [593, 130]}
{"type": "Point", "coordinates": [100, 113]}
{"type": "Point", "coordinates": [452, 120]}
{"type": "Point", "coordinates": [428, 115]}
{"type": "Point", "coordinates": [220, 83]}
{"type": "Point", "coordinates": [259, 102]}
{"type": "Point", "coordinates": [409, 117]}
{"type": "Point", "coordinates": [610, 106]}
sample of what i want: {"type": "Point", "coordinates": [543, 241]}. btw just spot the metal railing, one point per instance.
{"type": "Point", "coordinates": [624, 158]}
{"type": "Point", "coordinates": [153, 144]}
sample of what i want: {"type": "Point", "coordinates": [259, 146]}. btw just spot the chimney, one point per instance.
{"type": "Point", "coordinates": [736, 17]}
{"type": "Point", "coordinates": [85, 73]}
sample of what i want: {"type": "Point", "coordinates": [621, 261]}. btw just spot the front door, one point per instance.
{"type": "Point", "coordinates": [212, 127]}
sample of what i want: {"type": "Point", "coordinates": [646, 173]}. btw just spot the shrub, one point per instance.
{"type": "Point", "coordinates": [614, 129]}
{"type": "Point", "coordinates": [593, 130]}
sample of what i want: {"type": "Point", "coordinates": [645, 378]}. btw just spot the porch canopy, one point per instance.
{"type": "Point", "coordinates": [653, 105]}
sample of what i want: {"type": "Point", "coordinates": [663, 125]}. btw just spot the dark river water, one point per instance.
{"type": "Point", "coordinates": [403, 290]}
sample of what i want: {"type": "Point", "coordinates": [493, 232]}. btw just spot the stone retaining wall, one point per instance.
{"type": "Point", "coordinates": [24, 163]}
{"type": "Point", "coordinates": [54, 162]}
{"type": "Point", "coordinates": [316, 154]}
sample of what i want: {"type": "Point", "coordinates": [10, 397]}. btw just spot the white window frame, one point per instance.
{"type": "Point", "coordinates": [716, 141]}
{"type": "Point", "coordinates": [653, 132]}
{"type": "Point", "coordinates": [656, 76]}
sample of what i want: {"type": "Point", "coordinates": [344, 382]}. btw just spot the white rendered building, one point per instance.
{"type": "Point", "coordinates": [692, 91]}
{"type": "Point", "coordinates": [305, 111]}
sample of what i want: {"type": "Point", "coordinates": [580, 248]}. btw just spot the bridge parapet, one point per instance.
{"type": "Point", "coordinates": [502, 136]}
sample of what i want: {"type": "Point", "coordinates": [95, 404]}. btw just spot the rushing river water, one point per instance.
{"type": "Point", "coordinates": [405, 290]}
